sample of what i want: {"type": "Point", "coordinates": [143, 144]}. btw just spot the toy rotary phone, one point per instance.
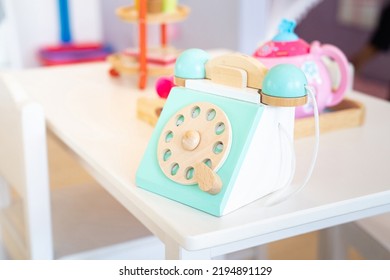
{"type": "Point", "coordinates": [224, 137]}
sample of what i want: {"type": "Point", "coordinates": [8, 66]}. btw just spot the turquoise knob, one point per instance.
{"type": "Point", "coordinates": [284, 85]}
{"type": "Point", "coordinates": [285, 81]}
{"type": "Point", "coordinates": [191, 64]}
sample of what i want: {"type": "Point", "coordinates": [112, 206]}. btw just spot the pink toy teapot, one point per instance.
{"type": "Point", "coordinates": [286, 47]}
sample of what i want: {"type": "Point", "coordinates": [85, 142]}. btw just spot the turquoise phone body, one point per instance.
{"type": "Point", "coordinates": [244, 118]}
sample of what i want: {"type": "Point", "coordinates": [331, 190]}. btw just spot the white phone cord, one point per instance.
{"type": "Point", "coordinates": [285, 192]}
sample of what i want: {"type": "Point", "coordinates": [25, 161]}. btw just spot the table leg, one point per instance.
{"type": "Point", "coordinates": [261, 252]}
{"type": "Point", "coordinates": [5, 197]}
{"type": "Point", "coordinates": [332, 245]}
{"type": "Point", "coordinates": [173, 251]}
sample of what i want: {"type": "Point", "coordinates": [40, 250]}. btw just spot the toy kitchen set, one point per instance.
{"type": "Point", "coordinates": [225, 135]}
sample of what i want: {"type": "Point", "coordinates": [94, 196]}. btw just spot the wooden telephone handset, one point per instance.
{"type": "Point", "coordinates": [236, 70]}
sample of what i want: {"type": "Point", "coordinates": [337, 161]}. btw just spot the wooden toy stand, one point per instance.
{"type": "Point", "coordinates": [124, 64]}
{"type": "Point", "coordinates": [348, 113]}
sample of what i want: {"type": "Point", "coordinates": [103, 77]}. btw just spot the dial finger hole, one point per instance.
{"type": "Point", "coordinates": [167, 154]}
{"type": "Point", "coordinates": [179, 120]}
{"type": "Point", "coordinates": [174, 168]}
{"type": "Point", "coordinates": [211, 114]}
{"type": "Point", "coordinates": [189, 173]}
{"type": "Point", "coordinates": [208, 162]}
{"type": "Point", "coordinates": [218, 148]}
{"type": "Point", "coordinates": [219, 128]}
{"type": "Point", "coordinates": [168, 136]}
{"type": "Point", "coordinates": [195, 112]}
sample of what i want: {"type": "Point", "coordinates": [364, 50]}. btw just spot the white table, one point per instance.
{"type": "Point", "coordinates": [94, 116]}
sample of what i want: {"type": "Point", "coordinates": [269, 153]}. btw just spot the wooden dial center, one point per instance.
{"type": "Point", "coordinates": [190, 140]}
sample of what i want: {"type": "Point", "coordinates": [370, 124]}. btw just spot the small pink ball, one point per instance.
{"type": "Point", "coordinates": [164, 85]}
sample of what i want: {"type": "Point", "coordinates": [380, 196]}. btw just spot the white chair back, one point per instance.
{"type": "Point", "coordinates": [23, 166]}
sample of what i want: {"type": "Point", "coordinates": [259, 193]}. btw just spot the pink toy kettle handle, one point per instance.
{"type": "Point", "coordinates": [337, 55]}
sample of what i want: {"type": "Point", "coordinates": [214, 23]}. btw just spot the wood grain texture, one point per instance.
{"type": "Point", "coordinates": [349, 113]}
{"type": "Point", "coordinates": [282, 102]}
{"type": "Point", "coordinates": [149, 109]}
{"type": "Point", "coordinates": [128, 65]}
{"type": "Point", "coordinates": [214, 144]}
{"type": "Point", "coordinates": [229, 76]}
{"type": "Point", "coordinates": [256, 71]}
{"type": "Point", "coordinates": [208, 180]}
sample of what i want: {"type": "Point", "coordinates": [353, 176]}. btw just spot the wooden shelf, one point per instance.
{"type": "Point", "coordinates": [130, 14]}
{"type": "Point", "coordinates": [128, 65]}
{"type": "Point", "coordinates": [140, 16]}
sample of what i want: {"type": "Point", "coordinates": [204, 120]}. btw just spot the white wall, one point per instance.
{"type": "Point", "coordinates": [231, 24]}
{"type": "Point", "coordinates": [254, 18]}
{"type": "Point", "coordinates": [33, 24]}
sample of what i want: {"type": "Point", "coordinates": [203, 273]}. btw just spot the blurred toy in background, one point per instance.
{"type": "Point", "coordinates": [378, 43]}
{"type": "Point", "coordinates": [159, 6]}
{"type": "Point", "coordinates": [150, 108]}
{"type": "Point", "coordinates": [68, 52]}
{"type": "Point", "coordinates": [287, 47]}
{"type": "Point", "coordinates": [164, 86]}
{"type": "Point", "coordinates": [144, 60]}
{"type": "Point", "coordinates": [295, 10]}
